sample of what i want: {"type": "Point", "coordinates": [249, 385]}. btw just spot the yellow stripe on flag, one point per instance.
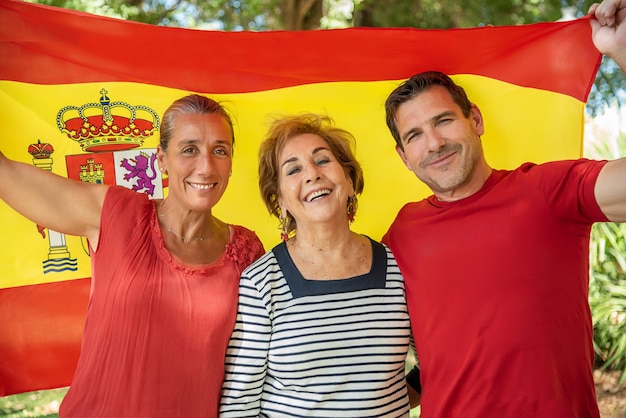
{"type": "Point", "coordinates": [520, 126]}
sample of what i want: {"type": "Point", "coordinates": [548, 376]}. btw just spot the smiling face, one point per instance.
{"type": "Point", "coordinates": [313, 186]}
{"type": "Point", "coordinates": [198, 160]}
{"type": "Point", "coordinates": [441, 146]}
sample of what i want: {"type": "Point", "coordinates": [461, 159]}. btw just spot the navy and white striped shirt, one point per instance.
{"type": "Point", "coordinates": [331, 348]}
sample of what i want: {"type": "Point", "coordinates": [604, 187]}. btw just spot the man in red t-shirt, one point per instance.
{"type": "Point", "coordinates": [496, 261]}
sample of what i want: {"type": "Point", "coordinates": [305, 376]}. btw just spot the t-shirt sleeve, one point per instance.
{"type": "Point", "coordinates": [569, 188]}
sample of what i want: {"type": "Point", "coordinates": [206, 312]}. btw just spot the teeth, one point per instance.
{"type": "Point", "coordinates": [201, 186]}
{"type": "Point", "coordinates": [317, 194]}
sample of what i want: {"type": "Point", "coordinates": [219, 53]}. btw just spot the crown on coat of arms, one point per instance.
{"type": "Point", "coordinates": [40, 151]}
{"type": "Point", "coordinates": [108, 126]}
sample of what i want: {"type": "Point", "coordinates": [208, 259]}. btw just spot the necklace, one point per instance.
{"type": "Point", "coordinates": [180, 237]}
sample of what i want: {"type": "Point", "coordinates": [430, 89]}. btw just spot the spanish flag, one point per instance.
{"type": "Point", "coordinates": [83, 95]}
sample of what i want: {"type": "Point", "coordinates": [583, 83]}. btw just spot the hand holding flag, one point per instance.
{"type": "Point", "coordinates": [609, 29]}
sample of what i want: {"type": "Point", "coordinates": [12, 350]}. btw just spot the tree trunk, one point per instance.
{"type": "Point", "coordinates": [302, 14]}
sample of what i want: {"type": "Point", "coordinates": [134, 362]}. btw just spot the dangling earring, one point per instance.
{"type": "Point", "coordinates": [284, 225]}
{"type": "Point", "coordinates": [351, 209]}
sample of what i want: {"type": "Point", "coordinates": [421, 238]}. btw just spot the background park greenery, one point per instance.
{"type": "Point", "coordinates": [608, 250]}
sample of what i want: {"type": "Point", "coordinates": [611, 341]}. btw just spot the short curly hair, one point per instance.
{"type": "Point", "coordinates": [340, 142]}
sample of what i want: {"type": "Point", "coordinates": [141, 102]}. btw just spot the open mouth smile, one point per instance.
{"type": "Point", "coordinates": [201, 186]}
{"type": "Point", "coordinates": [318, 193]}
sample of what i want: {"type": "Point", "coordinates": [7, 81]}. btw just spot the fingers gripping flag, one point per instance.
{"type": "Point", "coordinates": [82, 96]}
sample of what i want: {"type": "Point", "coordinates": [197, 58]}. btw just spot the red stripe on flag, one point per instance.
{"type": "Point", "coordinates": [75, 47]}
{"type": "Point", "coordinates": [40, 334]}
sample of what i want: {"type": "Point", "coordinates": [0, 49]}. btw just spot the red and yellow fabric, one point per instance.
{"type": "Point", "coordinates": [531, 83]}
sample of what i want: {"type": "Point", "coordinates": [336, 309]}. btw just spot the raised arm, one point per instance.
{"type": "Point", "coordinates": [608, 29]}
{"type": "Point", "coordinates": [55, 202]}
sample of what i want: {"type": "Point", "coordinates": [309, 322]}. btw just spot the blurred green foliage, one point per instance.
{"type": "Point", "coordinates": [607, 289]}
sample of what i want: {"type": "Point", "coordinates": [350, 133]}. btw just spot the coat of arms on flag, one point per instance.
{"type": "Point", "coordinates": [111, 133]}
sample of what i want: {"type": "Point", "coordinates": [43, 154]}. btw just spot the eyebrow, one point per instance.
{"type": "Point", "coordinates": [315, 151]}
{"type": "Point", "coordinates": [195, 140]}
{"type": "Point", "coordinates": [433, 119]}
{"type": "Point", "coordinates": [225, 142]}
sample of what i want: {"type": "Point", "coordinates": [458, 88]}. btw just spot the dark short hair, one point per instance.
{"type": "Point", "coordinates": [340, 142]}
{"type": "Point", "coordinates": [415, 85]}
{"type": "Point", "coordinates": [191, 104]}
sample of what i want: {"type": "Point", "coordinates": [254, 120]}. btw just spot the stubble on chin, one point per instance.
{"type": "Point", "coordinates": [446, 178]}
{"type": "Point", "coordinates": [443, 184]}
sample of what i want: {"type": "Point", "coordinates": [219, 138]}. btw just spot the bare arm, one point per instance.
{"type": "Point", "coordinates": [55, 202]}
{"type": "Point", "coordinates": [610, 190]}
{"type": "Point", "coordinates": [608, 29]}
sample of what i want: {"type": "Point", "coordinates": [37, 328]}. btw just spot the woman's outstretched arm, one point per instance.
{"type": "Point", "coordinates": [63, 205]}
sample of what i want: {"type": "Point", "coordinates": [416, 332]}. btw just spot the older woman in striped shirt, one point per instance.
{"type": "Point", "coordinates": [322, 326]}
